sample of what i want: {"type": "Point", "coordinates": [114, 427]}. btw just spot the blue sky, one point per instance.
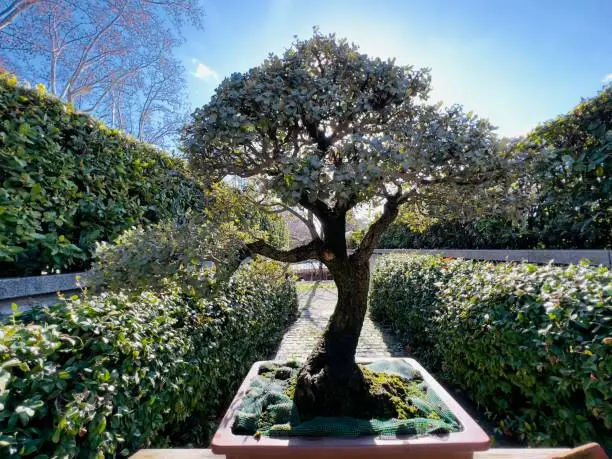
{"type": "Point", "coordinates": [516, 62]}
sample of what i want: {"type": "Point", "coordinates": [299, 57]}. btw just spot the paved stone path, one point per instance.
{"type": "Point", "coordinates": [316, 305]}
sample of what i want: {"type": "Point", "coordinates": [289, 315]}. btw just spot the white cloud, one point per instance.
{"type": "Point", "coordinates": [607, 78]}
{"type": "Point", "coordinates": [203, 72]}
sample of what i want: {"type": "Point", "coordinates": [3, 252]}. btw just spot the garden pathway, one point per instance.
{"type": "Point", "coordinates": [316, 304]}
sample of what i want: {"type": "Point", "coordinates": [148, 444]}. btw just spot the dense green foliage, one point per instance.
{"type": "Point", "coordinates": [573, 174]}
{"type": "Point", "coordinates": [199, 252]}
{"type": "Point", "coordinates": [567, 168]}
{"type": "Point", "coordinates": [142, 258]}
{"type": "Point", "coordinates": [106, 375]}
{"type": "Point", "coordinates": [403, 295]}
{"type": "Point", "coordinates": [482, 233]}
{"type": "Point", "coordinates": [324, 121]}
{"type": "Point", "coordinates": [66, 181]}
{"type": "Point", "coordinates": [532, 345]}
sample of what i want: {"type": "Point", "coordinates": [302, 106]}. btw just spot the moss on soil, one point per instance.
{"type": "Point", "coordinates": [388, 407]}
{"type": "Point", "coordinates": [393, 391]}
{"type": "Point", "coordinates": [290, 390]}
{"type": "Point", "coordinates": [397, 390]}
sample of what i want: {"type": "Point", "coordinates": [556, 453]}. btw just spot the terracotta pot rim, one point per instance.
{"type": "Point", "coordinates": [470, 438]}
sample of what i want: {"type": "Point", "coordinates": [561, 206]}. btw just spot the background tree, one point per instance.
{"type": "Point", "coordinates": [12, 9]}
{"type": "Point", "coordinates": [325, 127]}
{"type": "Point", "coordinates": [571, 174]}
{"type": "Point", "coordinates": [150, 105]}
{"type": "Point", "coordinates": [112, 58]}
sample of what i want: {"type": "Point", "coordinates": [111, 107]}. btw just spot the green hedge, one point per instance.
{"type": "Point", "coordinates": [568, 165]}
{"type": "Point", "coordinates": [482, 233]}
{"type": "Point", "coordinates": [532, 345]}
{"type": "Point", "coordinates": [572, 175]}
{"type": "Point", "coordinates": [66, 181]}
{"type": "Point", "coordinates": [110, 374]}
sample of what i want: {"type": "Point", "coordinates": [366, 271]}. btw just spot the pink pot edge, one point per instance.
{"type": "Point", "coordinates": [471, 438]}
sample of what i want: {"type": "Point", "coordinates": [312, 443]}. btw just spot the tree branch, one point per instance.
{"type": "Point", "coordinates": [84, 55]}
{"type": "Point", "coordinates": [372, 237]}
{"type": "Point", "coordinates": [306, 220]}
{"type": "Point", "coordinates": [309, 251]}
{"type": "Point", "coordinates": [317, 135]}
{"type": "Point", "coordinates": [317, 207]}
{"type": "Point", "coordinates": [344, 205]}
{"type": "Point", "coordinates": [311, 225]}
{"type": "Point", "coordinates": [279, 207]}
{"type": "Point", "coordinates": [8, 15]}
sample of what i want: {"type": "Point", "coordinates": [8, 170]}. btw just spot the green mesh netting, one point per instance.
{"type": "Point", "coordinates": [267, 409]}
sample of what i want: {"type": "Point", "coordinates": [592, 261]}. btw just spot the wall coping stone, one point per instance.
{"type": "Point", "coordinates": [18, 287]}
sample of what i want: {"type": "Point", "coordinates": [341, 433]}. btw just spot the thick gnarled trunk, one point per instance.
{"type": "Point", "coordinates": [331, 383]}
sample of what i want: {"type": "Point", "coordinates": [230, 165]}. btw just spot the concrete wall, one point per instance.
{"type": "Point", "coordinates": [26, 291]}
{"type": "Point", "coordinates": [562, 257]}
{"type": "Point", "coordinates": [27, 302]}
{"type": "Point", "coordinates": [15, 287]}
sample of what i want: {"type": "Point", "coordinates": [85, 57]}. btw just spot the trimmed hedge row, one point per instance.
{"type": "Point", "coordinates": [572, 174]}
{"type": "Point", "coordinates": [532, 345]}
{"type": "Point", "coordinates": [483, 233]}
{"type": "Point", "coordinates": [568, 165]}
{"type": "Point", "coordinates": [110, 374]}
{"type": "Point", "coordinates": [67, 181]}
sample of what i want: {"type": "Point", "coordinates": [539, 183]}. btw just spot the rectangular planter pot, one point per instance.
{"type": "Point", "coordinates": [456, 445]}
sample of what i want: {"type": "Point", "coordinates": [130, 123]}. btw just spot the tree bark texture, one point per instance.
{"type": "Point", "coordinates": [331, 383]}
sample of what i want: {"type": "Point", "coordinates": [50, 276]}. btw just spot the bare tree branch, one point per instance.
{"type": "Point", "coordinates": [66, 92]}
{"type": "Point", "coordinates": [8, 15]}
{"type": "Point", "coordinates": [309, 251]}
{"type": "Point", "coordinates": [112, 58]}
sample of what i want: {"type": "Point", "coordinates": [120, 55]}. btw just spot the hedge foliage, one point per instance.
{"type": "Point", "coordinates": [109, 374]}
{"type": "Point", "coordinates": [67, 181]}
{"type": "Point", "coordinates": [482, 233]}
{"type": "Point", "coordinates": [572, 158]}
{"type": "Point", "coordinates": [568, 166]}
{"type": "Point", "coordinates": [532, 345]}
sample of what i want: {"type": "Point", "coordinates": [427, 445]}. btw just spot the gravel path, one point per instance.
{"type": "Point", "coordinates": [316, 304]}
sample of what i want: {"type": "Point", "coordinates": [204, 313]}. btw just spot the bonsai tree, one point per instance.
{"type": "Point", "coordinates": [324, 128]}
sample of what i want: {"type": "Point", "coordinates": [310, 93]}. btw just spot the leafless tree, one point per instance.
{"type": "Point", "coordinates": [112, 58]}
{"type": "Point", "coordinates": [12, 9]}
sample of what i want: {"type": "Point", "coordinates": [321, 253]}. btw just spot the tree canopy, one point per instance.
{"type": "Point", "coordinates": [326, 127]}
